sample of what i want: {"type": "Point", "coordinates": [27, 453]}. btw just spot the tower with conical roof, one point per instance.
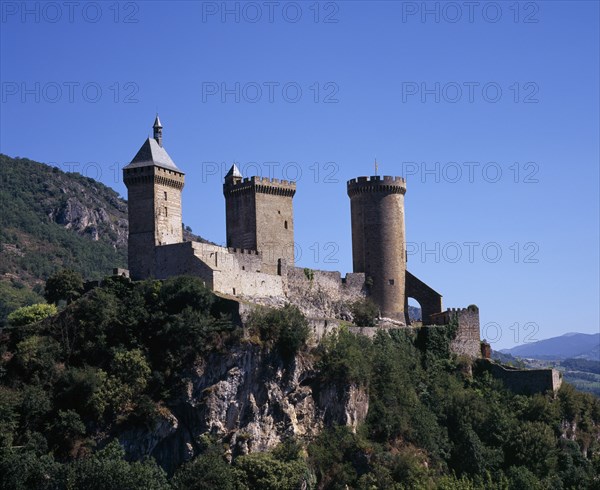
{"type": "Point", "coordinates": [154, 185]}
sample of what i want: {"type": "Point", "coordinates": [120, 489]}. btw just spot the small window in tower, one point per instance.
{"type": "Point", "coordinates": [285, 225]}
{"type": "Point", "coordinates": [165, 195]}
{"type": "Point", "coordinates": [278, 212]}
{"type": "Point", "coordinates": [166, 214]}
{"type": "Point", "coordinates": [391, 282]}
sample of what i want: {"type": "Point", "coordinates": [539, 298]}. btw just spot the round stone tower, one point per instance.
{"type": "Point", "coordinates": [378, 243]}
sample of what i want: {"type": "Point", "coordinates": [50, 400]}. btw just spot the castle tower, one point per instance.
{"type": "Point", "coordinates": [260, 216]}
{"type": "Point", "coordinates": [154, 185]}
{"type": "Point", "coordinates": [378, 239]}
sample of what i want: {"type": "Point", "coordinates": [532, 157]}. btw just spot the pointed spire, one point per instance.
{"type": "Point", "coordinates": [157, 130]}
{"type": "Point", "coordinates": [234, 171]}
{"type": "Point", "coordinates": [234, 175]}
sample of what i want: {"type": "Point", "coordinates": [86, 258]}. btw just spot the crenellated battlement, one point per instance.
{"type": "Point", "coordinates": [444, 317]}
{"type": "Point", "coordinates": [378, 178]}
{"type": "Point", "coordinates": [246, 251]}
{"type": "Point", "coordinates": [377, 183]}
{"type": "Point", "coordinates": [153, 175]}
{"type": "Point", "coordinates": [263, 185]}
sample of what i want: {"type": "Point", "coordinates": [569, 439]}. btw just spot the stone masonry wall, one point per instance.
{"type": "Point", "coordinates": [232, 272]}
{"type": "Point", "coordinates": [323, 294]}
{"type": "Point", "coordinates": [525, 381]}
{"type": "Point", "coordinates": [467, 341]}
{"type": "Point", "coordinates": [178, 259]}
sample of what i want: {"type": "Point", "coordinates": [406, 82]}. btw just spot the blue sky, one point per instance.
{"type": "Point", "coordinates": [491, 114]}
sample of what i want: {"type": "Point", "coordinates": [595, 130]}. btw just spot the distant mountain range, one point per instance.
{"type": "Point", "coordinates": [567, 346]}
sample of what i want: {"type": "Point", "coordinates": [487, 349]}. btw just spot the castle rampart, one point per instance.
{"type": "Point", "coordinates": [524, 381]}
{"type": "Point", "coordinates": [324, 294]}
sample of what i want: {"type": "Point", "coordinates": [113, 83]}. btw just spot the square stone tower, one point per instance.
{"type": "Point", "coordinates": [260, 217]}
{"type": "Point", "coordinates": [154, 185]}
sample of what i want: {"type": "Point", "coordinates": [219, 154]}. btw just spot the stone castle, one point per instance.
{"type": "Point", "coordinates": [257, 265]}
{"type": "Point", "coordinates": [258, 261]}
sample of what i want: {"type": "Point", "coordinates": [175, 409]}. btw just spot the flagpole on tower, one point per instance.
{"type": "Point", "coordinates": [376, 167]}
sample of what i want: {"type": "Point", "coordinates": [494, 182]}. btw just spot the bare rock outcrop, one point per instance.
{"type": "Point", "coordinates": [250, 399]}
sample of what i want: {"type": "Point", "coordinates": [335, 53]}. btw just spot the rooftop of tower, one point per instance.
{"type": "Point", "coordinates": [152, 152]}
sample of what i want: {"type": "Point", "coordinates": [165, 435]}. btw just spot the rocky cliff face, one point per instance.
{"type": "Point", "coordinates": [88, 216]}
{"type": "Point", "coordinates": [250, 399]}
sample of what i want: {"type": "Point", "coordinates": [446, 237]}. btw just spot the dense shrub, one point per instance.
{"type": "Point", "coordinates": [27, 315]}
{"type": "Point", "coordinates": [285, 328]}
{"type": "Point", "coordinates": [65, 285]}
{"type": "Point", "coordinates": [345, 358]}
{"type": "Point", "coordinates": [364, 312]}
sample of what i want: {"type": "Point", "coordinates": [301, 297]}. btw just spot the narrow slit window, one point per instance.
{"type": "Point", "coordinates": [285, 225]}
{"type": "Point", "coordinates": [166, 213]}
{"type": "Point", "coordinates": [165, 195]}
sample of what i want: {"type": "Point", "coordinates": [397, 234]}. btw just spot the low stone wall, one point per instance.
{"type": "Point", "coordinates": [524, 381]}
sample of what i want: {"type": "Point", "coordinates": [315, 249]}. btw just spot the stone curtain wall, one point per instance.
{"type": "Point", "coordinates": [233, 272]}
{"type": "Point", "coordinates": [525, 381]}
{"type": "Point", "coordinates": [179, 260]}
{"type": "Point", "coordinates": [323, 294]}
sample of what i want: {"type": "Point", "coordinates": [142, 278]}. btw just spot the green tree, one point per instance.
{"type": "Point", "coordinates": [27, 315]}
{"type": "Point", "coordinates": [65, 285]}
{"type": "Point", "coordinates": [286, 328]}
{"type": "Point", "coordinates": [264, 471]}
{"type": "Point", "coordinates": [530, 445]}
{"type": "Point", "coordinates": [364, 312]}
{"type": "Point", "coordinates": [132, 368]}
{"type": "Point", "coordinates": [209, 471]}
{"type": "Point", "coordinates": [345, 357]}
{"type": "Point", "coordinates": [108, 470]}
{"type": "Point", "coordinates": [26, 469]}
